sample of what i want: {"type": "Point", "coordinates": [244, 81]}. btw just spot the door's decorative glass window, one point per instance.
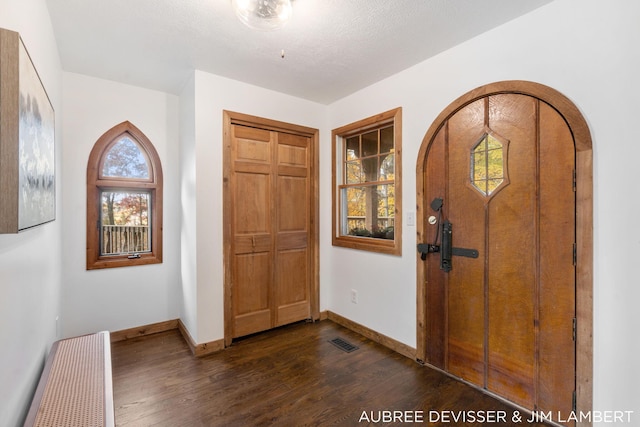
{"type": "Point", "coordinates": [489, 164]}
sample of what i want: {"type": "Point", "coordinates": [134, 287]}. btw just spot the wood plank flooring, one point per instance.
{"type": "Point", "coordinates": [291, 376]}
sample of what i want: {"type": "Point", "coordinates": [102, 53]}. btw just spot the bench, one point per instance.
{"type": "Point", "coordinates": [76, 387]}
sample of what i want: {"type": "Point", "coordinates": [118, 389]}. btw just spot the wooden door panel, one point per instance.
{"type": "Point", "coordinates": [252, 203]}
{"type": "Point", "coordinates": [293, 155]}
{"type": "Point", "coordinates": [503, 321]}
{"type": "Point", "coordinates": [292, 171]}
{"type": "Point", "coordinates": [292, 151]}
{"type": "Point", "coordinates": [292, 240]}
{"type": "Point", "coordinates": [252, 144]}
{"type": "Point", "coordinates": [252, 243]}
{"type": "Point", "coordinates": [511, 253]}
{"type": "Point", "coordinates": [252, 269]}
{"type": "Point", "coordinates": [557, 301]}
{"type": "Point", "coordinates": [293, 207]}
{"type": "Point", "coordinates": [293, 279]}
{"type": "Point", "coordinates": [251, 167]}
{"type": "Point", "coordinates": [291, 285]}
{"type": "Point", "coordinates": [253, 151]}
{"type": "Point", "coordinates": [291, 272]}
{"type": "Point", "coordinates": [252, 303]}
{"type": "Point", "coordinates": [435, 280]}
{"type": "Point", "coordinates": [466, 288]}
{"type": "Point", "coordinates": [292, 140]}
{"type": "Point", "coordinates": [466, 360]}
{"type": "Point", "coordinates": [512, 378]}
{"type": "Point", "coordinates": [250, 323]}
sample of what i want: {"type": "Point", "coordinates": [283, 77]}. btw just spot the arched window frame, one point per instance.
{"type": "Point", "coordinates": [96, 183]}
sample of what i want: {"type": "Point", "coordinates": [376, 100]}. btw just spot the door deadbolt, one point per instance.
{"type": "Point", "coordinates": [432, 220]}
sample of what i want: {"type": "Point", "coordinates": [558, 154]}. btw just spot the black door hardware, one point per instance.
{"type": "Point", "coordinates": [446, 249]}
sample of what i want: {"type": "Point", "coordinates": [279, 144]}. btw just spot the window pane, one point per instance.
{"type": "Point", "coordinates": [353, 199]}
{"type": "Point", "coordinates": [371, 169]}
{"type": "Point", "coordinates": [370, 143]}
{"type": "Point", "coordinates": [125, 222]}
{"type": "Point", "coordinates": [354, 173]}
{"type": "Point", "coordinates": [493, 143]}
{"type": "Point", "coordinates": [494, 166]}
{"type": "Point", "coordinates": [492, 184]}
{"type": "Point", "coordinates": [386, 205]}
{"type": "Point", "coordinates": [370, 211]}
{"type": "Point", "coordinates": [125, 159]}
{"type": "Point", "coordinates": [386, 139]}
{"type": "Point", "coordinates": [353, 148]}
{"type": "Point", "coordinates": [479, 166]}
{"type": "Point", "coordinates": [387, 168]}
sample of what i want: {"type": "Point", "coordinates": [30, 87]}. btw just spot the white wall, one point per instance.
{"type": "Point", "coordinates": [30, 261]}
{"type": "Point", "coordinates": [188, 228]}
{"type": "Point", "coordinates": [588, 50]}
{"type": "Point", "coordinates": [203, 149]}
{"type": "Point", "coordinates": [117, 298]}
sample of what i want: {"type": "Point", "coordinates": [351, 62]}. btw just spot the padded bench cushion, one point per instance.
{"type": "Point", "coordinates": [76, 386]}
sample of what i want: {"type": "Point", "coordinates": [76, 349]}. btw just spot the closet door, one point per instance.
{"type": "Point", "coordinates": [292, 273]}
{"type": "Point", "coordinates": [252, 246]}
{"type": "Point", "coordinates": [270, 229]}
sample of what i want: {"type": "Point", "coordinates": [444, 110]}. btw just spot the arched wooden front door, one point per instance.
{"type": "Point", "coordinates": [498, 190]}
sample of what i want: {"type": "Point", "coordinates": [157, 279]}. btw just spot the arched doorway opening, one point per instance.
{"type": "Point", "coordinates": [495, 160]}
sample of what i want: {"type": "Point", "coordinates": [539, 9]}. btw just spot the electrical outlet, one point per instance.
{"type": "Point", "coordinates": [354, 296]}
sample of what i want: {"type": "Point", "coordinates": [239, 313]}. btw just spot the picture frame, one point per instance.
{"type": "Point", "coordinates": [27, 141]}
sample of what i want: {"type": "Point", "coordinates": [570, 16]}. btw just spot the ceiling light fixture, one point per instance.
{"type": "Point", "coordinates": [263, 15]}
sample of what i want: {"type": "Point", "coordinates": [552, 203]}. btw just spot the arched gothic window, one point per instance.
{"type": "Point", "coordinates": [124, 200]}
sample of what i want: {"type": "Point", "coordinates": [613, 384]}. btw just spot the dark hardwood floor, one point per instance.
{"type": "Point", "coordinates": [291, 376]}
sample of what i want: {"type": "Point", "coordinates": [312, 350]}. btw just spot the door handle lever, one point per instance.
{"type": "Point", "coordinates": [446, 250]}
{"type": "Point", "coordinates": [426, 248]}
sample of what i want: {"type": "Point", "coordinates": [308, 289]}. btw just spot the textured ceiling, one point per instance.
{"type": "Point", "coordinates": [332, 47]}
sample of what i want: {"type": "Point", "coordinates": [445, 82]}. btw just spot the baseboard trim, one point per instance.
{"type": "Point", "coordinates": [381, 339]}
{"type": "Point", "coordinates": [140, 331]}
{"type": "Point", "coordinates": [204, 349]}
{"type": "Point", "coordinates": [199, 350]}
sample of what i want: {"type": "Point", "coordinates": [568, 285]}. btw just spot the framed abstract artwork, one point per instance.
{"type": "Point", "coordinates": [27, 141]}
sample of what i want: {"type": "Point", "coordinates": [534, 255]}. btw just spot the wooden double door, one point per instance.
{"type": "Point", "coordinates": [501, 310]}
{"type": "Point", "coordinates": [270, 223]}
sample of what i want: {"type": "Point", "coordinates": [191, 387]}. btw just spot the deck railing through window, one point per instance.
{"type": "Point", "coordinates": [125, 239]}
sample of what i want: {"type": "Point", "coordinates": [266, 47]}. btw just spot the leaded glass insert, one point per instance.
{"type": "Point", "coordinates": [488, 164]}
